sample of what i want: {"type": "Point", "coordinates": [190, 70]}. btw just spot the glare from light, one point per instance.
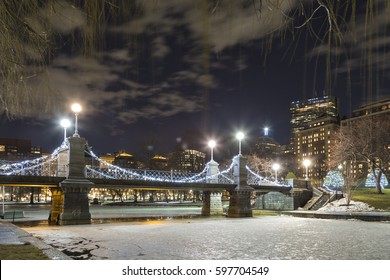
{"type": "Point", "coordinates": [240, 136]}
{"type": "Point", "coordinates": [65, 123]}
{"type": "Point", "coordinates": [76, 108]}
{"type": "Point", "coordinates": [212, 143]}
{"type": "Point", "coordinates": [276, 167]}
{"type": "Point", "coordinates": [306, 163]}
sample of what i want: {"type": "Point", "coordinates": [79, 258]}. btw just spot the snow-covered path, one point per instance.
{"type": "Point", "coordinates": [280, 237]}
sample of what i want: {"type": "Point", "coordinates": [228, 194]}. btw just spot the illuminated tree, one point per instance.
{"type": "Point", "coordinates": [334, 180]}
{"type": "Point", "coordinates": [371, 179]}
{"type": "Point", "coordinates": [364, 141]}
{"type": "Point", "coordinates": [261, 166]}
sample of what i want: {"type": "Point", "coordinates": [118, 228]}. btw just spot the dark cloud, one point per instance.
{"type": "Point", "coordinates": [168, 61]}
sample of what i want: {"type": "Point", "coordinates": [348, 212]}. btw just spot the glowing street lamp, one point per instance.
{"type": "Point", "coordinates": [340, 167]}
{"type": "Point", "coordinates": [307, 163]}
{"type": "Point", "coordinates": [212, 144]}
{"type": "Point", "coordinates": [76, 108]}
{"type": "Point", "coordinates": [239, 137]}
{"type": "Point", "coordinates": [276, 167]}
{"type": "Point", "coordinates": [266, 131]}
{"type": "Point", "coordinates": [65, 123]}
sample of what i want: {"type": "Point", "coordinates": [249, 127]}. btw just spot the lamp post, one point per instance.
{"type": "Point", "coordinates": [307, 163]}
{"type": "Point", "coordinates": [276, 167]}
{"type": "Point", "coordinates": [239, 137]}
{"type": "Point", "coordinates": [212, 144]}
{"type": "Point", "coordinates": [76, 108]}
{"type": "Point", "coordinates": [65, 123]}
{"type": "Point", "coordinates": [340, 167]}
{"type": "Point", "coordinates": [266, 131]}
{"type": "Point", "coordinates": [3, 201]}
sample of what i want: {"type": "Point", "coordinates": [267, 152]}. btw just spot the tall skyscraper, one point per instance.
{"type": "Point", "coordinates": [306, 111]}
{"type": "Point", "coordinates": [314, 121]}
{"type": "Point", "coordinates": [267, 147]}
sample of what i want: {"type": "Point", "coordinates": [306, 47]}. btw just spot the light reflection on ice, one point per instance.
{"type": "Point", "coordinates": [279, 237]}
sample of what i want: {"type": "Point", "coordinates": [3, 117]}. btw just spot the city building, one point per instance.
{"type": "Point", "coordinates": [376, 110]}
{"type": "Point", "coordinates": [187, 160]}
{"type": "Point", "coordinates": [125, 160]}
{"type": "Point", "coordinates": [304, 112]}
{"type": "Point", "coordinates": [315, 143]}
{"type": "Point", "coordinates": [18, 149]}
{"type": "Point", "coordinates": [267, 147]}
{"type": "Point", "coordinates": [109, 158]}
{"type": "Point", "coordinates": [158, 163]}
{"type": "Point", "coordinates": [313, 121]}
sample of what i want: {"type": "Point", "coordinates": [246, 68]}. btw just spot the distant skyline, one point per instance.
{"type": "Point", "coordinates": [170, 70]}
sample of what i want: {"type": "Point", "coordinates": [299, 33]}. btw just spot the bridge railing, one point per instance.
{"type": "Point", "coordinates": [43, 166]}
{"type": "Point", "coordinates": [111, 171]}
{"type": "Point", "coordinates": [255, 179]}
{"type": "Point", "coordinates": [144, 174]}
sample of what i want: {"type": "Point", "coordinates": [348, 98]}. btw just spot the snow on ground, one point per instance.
{"type": "Point", "coordinates": [341, 206]}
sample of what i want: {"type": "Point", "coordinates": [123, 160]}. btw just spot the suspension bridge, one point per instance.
{"type": "Point", "coordinates": [70, 179]}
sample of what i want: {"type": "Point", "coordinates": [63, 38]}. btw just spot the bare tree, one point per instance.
{"type": "Point", "coordinates": [261, 166]}
{"type": "Point", "coordinates": [363, 141]}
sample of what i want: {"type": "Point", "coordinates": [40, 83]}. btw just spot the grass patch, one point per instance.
{"type": "Point", "coordinates": [21, 252]}
{"type": "Point", "coordinates": [368, 195]}
{"type": "Point", "coordinates": [265, 212]}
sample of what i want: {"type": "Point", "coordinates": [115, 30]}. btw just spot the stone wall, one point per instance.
{"type": "Point", "coordinates": [274, 201]}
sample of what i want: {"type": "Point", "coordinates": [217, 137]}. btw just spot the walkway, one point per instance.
{"type": "Point", "coordinates": [167, 238]}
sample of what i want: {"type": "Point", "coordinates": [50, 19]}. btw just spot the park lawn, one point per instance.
{"type": "Point", "coordinates": [265, 212]}
{"type": "Point", "coordinates": [368, 195]}
{"type": "Point", "coordinates": [21, 252]}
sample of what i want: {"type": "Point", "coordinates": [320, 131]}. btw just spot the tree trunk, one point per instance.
{"type": "Point", "coordinates": [378, 182]}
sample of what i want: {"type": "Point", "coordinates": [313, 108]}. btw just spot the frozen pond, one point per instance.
{"type": "Point", "coordinates": [280, 237]}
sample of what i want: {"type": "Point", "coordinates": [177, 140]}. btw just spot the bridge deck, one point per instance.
{"type": "Point", "coordinates": [47, 181]}
{"type": "Point", "coordinates": [30, 181]}
{"type": "Point", "coordinates": [158, 185]}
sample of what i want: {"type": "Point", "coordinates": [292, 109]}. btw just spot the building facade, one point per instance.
{"type": "Point", "coordinates": [375, 111]}
{"type": "Point", "coordinates": [18, 149]}
{"type": "Point", "coordinates": [315, 143]}
{"type": "Point", "coordinates": [314, 122]}
{"type": "Point", "coordinates": [187, 160]}
{"type": "Point", "coordinates": [267, 147]}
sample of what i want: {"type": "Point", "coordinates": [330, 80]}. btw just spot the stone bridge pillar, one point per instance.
{"type": "Point", "coordinates": [75, 187]}
{"type": "Point", "coordinates": [240, 196]}
{"type": "Point", "coordinates": [212, 200]}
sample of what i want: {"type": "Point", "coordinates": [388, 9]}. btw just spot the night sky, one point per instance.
{"type": "Point", "coordinates": [145, 90]}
